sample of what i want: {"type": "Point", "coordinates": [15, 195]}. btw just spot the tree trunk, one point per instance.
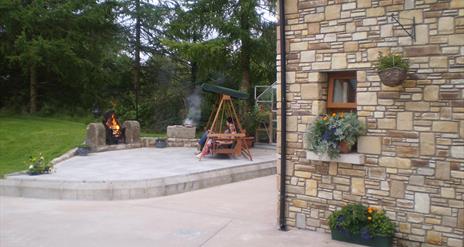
{"type": "Point", "coordinates": [136, 72]}
{"type": "Point", "coordinates": [33, 88]}
{"type": "Point", "coordinates": [245, 50]}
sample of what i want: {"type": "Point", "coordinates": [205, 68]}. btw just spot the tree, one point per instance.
{"type": "Point", "coordinates": [63, 39]}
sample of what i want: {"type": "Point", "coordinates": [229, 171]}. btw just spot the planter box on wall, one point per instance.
{"type": "Point", "coordinates": [377, 241]}
{"type": "Point", "coordinates": [350, 158]}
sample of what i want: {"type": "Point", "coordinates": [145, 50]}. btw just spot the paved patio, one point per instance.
{"type": "Point", "coordinates": [138, 173]}
{"type": "Point", "coordinates": [238, 214]}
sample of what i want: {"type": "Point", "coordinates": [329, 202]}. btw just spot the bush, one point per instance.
{"type": "Point", "coordinates": [392, 61]}
{"type": "Point", "coordinates": [357, 219]}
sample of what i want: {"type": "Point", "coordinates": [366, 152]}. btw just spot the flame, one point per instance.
{"type": "Point", "coordinates": [113, 125]}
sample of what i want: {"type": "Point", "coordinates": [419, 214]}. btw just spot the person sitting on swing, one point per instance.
{"type": "Point", "coordinates": [207, 146]}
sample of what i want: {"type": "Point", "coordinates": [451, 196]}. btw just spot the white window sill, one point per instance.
{"type": "Point", "coordinates": [350, 158]}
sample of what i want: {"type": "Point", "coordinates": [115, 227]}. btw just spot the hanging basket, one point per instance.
{"type": "Point", "coordinates": [393, 77]}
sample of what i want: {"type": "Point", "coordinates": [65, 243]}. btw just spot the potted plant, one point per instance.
{"type": "Point", "coordinates": [334, 134]}
{"type": "Point", "coordinates": [37, 165]}
{"type": "Point", "coordinates": [392, 69]}
{"type": "Point", "coordinates": [83, 150]}
{"type": "Point", "coordinates": [161, 142]}
{"type": "Point", "coordinates": [359, 224]}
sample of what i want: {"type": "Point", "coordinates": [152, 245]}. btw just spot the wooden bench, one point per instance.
{"type": "Point", "coordinates": [230, 144]}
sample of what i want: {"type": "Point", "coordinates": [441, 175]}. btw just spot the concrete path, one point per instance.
{"type": "Point", "coordinates": [238, 214]}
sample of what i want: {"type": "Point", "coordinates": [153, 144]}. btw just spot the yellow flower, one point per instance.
{"type": "Point", "coordinates": [334, 114]}
{"type": "Point", "coordinates": [369, 218]}
{"type": "Point", "coordinates": [342, 115]}
{"type": "Point", "coordinates": [370, 210]}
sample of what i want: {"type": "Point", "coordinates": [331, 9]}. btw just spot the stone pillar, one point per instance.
{"type": "Point", "coordinates": [96, 134]}
{"type": "Point", "coordinates": [132, 131]}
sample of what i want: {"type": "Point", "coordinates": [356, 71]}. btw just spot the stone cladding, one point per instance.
{"type": "Point", "coordinates": [414, 147]}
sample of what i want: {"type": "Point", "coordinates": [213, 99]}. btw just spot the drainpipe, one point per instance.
{"type": "Point", "coordinates": [283, 116]}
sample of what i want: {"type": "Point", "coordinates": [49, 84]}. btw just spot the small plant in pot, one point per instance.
{"type": "Point", "coordinates": [37, 165]}
{"type": "Point", "coordinates": [83, 150]}
{"type": "Point", "coordinates": [359, 224]}
{"type": "Point", "coordinates": [334, 134]}
{"type": "Point", "coordinates": [392, 69]}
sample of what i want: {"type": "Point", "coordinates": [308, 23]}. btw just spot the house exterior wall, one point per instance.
{"type": "Point", "coordinates": [414, 146]}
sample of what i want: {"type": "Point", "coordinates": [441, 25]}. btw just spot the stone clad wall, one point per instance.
{"type": "Point", "coordinates": [414, 148]}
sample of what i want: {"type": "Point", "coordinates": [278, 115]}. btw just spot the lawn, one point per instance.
{"type": "Point", "coordinates": [22, 136]}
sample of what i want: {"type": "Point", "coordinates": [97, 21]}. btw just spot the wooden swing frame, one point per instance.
{"type": "Point", "coordinates": [239, 146]}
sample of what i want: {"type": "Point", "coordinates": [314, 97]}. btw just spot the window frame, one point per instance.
{"type": "Point", "coordinates": [342, 106]}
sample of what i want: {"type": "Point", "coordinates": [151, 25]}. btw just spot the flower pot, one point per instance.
{"type": "Point", "coordinates": [160, 143]}
{"type": "Point", "coordinates": [376, 241]}
{"type": "Point", "coordinates": [82, 151]}
{"type": "Point", "coordinates": [344, 147]}
{"type": "Point", "coordinates": [393, 77]}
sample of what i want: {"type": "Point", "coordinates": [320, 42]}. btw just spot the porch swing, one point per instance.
{"type": "Point", "coordinates": [224, 108]}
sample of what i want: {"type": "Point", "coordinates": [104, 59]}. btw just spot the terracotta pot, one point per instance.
{"type": "Point", "coordinates": [344, 147]}
{"type": "Point", "coordinates": [393, 77]}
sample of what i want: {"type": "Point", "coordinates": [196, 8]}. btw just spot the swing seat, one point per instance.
{"type": "Point", "coordinates": [236, 148]}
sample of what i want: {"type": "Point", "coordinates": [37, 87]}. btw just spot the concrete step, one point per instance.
{"type": "Point", "coordinates": [132, 189]}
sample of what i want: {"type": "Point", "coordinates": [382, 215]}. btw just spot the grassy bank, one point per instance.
{"type": "Point", "coordinates": [23, 136]}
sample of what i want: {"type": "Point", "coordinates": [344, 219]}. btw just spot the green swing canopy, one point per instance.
{"type": "Point", "coordinates": [223, 90]}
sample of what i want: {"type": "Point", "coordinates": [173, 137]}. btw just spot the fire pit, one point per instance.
{"type": "Point", "coordinates": [111, 132]}
{"type": "Point", "coordinates": [115, 133]}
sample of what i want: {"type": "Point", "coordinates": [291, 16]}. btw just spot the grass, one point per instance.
{"type": "Point", "coordinates": [23, 136]}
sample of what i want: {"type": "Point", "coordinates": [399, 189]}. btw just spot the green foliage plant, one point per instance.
{"type": "Point", "coordinates": [327, 132]}
{"type": "Point", "coordinates": [358, 219]}
{"type": "Point", "coordinates": [392, 61]}
{"type": "Point", "coordinates": [37, 165]}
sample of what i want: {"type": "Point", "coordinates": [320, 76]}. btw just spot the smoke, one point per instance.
{"type": "Point", "coordinates": [194, 108]}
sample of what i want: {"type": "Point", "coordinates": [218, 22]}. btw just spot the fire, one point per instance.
{"type": "Point", "coordinates": [113, 125]}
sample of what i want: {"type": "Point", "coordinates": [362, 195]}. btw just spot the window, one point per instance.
{"type": "Point", "coordinates": [342, 92]}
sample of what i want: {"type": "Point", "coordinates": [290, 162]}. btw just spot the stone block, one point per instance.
{"type": "Point", "coordinates": [445, 126]}
{"type": "Point", "coordinates": [307, 56]}
{"type": "Point", "coordinates": [366, 98]}
{"type": "Point", "coordinates": [431, 93]}
{"type": "Point", "coordinates": [461, 218]}
{"type": "Point", "coordinates": [300, 220]}
{"type": "Point", "coordinates": [180, 131]}
{"type": "Point", "coordinates": [374, 12]}
{"type": "Point", "coordinates": [404, 121]}
{"type": "Point", "coordinates": [377, 173]}
{"type": "Point", "coordinates": [291, 6]}
{"type": "Point", "coordinates": [417, 106]}
{"type": "Point", "coordinates": [421, 202]}
{"type": "Point", "coordinates": [318, 107]}
{"type": "Point", "coordinates": [442, 170]}
{"type": "Point", "coordinates": [416, 180]}
{"type": "Point", "coordinates": [292, 123]}
{"type": "Point", "coordinates": [456, 39]}
{"type": "Point", "coordinates": [461, 129]}
{"type": "Point", "coordinates": [314, 17]}
{"type": "Point", "coordinates": [359, 35]}
{"type": "Point", "coordinates": [397, 189]}
{"type": "Point", "coordinates": [405, 227]}
{"type": "Point", "coordinates": [332, 12]}
{"type": "Point", "coordinates": [420, 51]}
{"type": "Point", "coordinates": [370, 144]}
{"type": "Point", "coordinates": [132, 131]}
{"type": "Point", "coordinates": [357, 186]}
{"type": "Point", "coordinates": [386, 30]}
{"type": "Point", "coordinates": [298, 46]}
{"type": "Point", "coordinates": [364, 3]}
{"type": "Point", "coordinates": [339, 61]}
{"type": "Point", "coordinates": [314, 28]}
{"type": "Point", "coordinates": [433, 237]}
{"type": "Point", "coordinates": [350, 46]}
{"type": "Point", "coordinates": [373, 53]}
{"type": "Point", "coordinates": [427, 143]}
{"type": "Point", "coordinates": [453, 242]}
{"type": "Point", "coordinates": [395, 162]}
{"type": "Point", "coordinates": [446, 25]}
{"type": "Point", "coordinates": [422, 34]}
{"type": "Point", "coordinates": [456, 4]}
{"type": "Point", "coordinates": [457, 152]}
{"type": "Point", "coordinates": [310, 91]}
{"type": "Point", "coordinates": [438, 62]}
{"type": "Point", "coordinates": [386, 123]}
{"type": "Point", "coordinates": [407, 16]}
{"type": "Point", "coordinates": [440, 210]}
{"type": "Point", "coordinates": [447, 193]}
{"type": "Point", "coordinates": [96, 135]}
{"type": "Point", "coordinates": [311, 187]}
